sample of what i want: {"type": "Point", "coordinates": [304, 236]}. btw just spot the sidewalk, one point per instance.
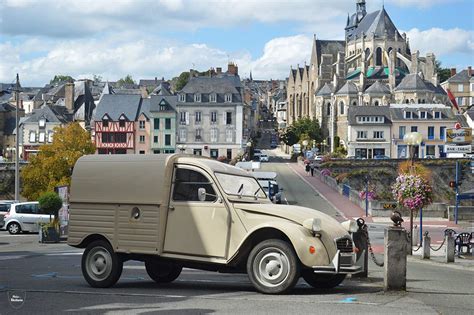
{"type": "Point", "coordinates": [349, 210]}
{"type": "Point", "coordinates": [344, 206]}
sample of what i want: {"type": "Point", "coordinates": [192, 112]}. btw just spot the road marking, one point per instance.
{"type": "Point", "coordinates": [64, 254]}
{"type": "Point", "coordinates": [11, 257]}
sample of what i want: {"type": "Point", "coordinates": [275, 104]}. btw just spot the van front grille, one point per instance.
{"type": "Point", "coordinates": [344, 245]}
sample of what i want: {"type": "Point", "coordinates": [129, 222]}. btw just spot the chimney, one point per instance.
{"type": "Point", "coordinates": [453, 71]}
{"type": "Point", "coordinates": [232, 69]}
{"type": "Point", "coordinates": [69, 97]}
{"type": "Point", "coordinates": [469, 71]}
{"type": "Point", "coordinates": [218, 70]}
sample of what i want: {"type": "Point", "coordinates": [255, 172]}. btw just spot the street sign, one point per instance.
{"type": "Point", "coordinates": [457, 148]}
{"type": "Point", "coordinates": [459, 136]}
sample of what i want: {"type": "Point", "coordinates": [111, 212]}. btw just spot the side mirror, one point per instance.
{"type": "Point", "coordinates": [202, 194]}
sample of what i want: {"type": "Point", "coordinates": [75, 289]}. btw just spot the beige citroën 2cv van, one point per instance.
{"type": "Point", "coordinates": [175, 211]}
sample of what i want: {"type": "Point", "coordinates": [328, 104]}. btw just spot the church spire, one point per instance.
{"type": "Point", "coordinates": [360, 9]}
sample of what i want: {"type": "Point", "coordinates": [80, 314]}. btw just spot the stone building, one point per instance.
{"type": "Point", "coordinates": [373, 66]}
{"type": "Point", "coordinates": [210, 115]}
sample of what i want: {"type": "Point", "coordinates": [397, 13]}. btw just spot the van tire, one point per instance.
{"type": "Point", "coordinates": [273, 267]}
{"type": "Point", "coordinates": [14, 228]}
{"type": "Point", "coordinates": [322, 281]}
{"type": "Point", "coordinates": [162, 272]}
{"type": "Point", "coordinates": [101, 266]}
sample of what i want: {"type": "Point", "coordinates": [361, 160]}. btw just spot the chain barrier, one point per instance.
{"type": "Point", "coordinates": [371, 251]}
{"type": "Point", "coordinates": [440, 246]}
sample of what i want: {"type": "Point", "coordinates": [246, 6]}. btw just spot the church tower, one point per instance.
{"type": "Point", "coordinates": [361, 10]}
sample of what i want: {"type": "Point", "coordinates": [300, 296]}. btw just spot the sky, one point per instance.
{"type": "Point", "coordinates": [162, 38]}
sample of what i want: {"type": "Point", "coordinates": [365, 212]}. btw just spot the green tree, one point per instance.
{"type": "Point", "coordinates": [303, 129]}
{"type": "Point", "coordinates": [52, 166]}
{"type": "Point", "coordinates": [443, 73]}
{"type": "Point", "coordinates": [125, 80]}
{"type": "Point", "coordinates": [97, 78]}
{"type": "Point", "coordinates": [61, 78]}
{"type": "Point", "coordinates": [182, 80]}
{"type": "Point", "coordinates": [50, 202]}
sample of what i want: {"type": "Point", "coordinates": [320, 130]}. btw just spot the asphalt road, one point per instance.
{"type": "Point", "coordinates": [51, 278]}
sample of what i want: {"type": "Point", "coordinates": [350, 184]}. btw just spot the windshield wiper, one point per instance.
{"type": "Point", "coordinates": [255, 194]}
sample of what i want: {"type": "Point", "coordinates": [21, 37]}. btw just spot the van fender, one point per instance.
{"type": "Point", "coordinates": [300, 238]}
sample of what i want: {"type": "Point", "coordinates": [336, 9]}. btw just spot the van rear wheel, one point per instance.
{"type": "Point", "coordinates": [273, 267]}
{"type": "Point", "coordinates": [101, 266]}
{"type": "Point", "coordinates": [162, 272]}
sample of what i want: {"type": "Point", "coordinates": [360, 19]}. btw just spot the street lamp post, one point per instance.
{"type": "Point", "coordinates": [412, 139]}
{"type": "Point", "coordinates": [305, 145]}
{"type": "Point", "coordinates": [182, 148]}
{"type": "Point", "coordinates": [249, 149]}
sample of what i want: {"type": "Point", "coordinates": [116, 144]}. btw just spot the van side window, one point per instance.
{"type": "Point", "coordinates": [186, 185]}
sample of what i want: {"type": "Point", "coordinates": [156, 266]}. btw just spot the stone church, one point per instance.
{"type": "Point", "coordinates": [373, 66]}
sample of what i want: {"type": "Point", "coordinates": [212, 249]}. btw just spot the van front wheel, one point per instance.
{"type": "Point", "coordinates": [162, 272]}
{"type": "Point", "coordinates": [273, 267]}
{"type": "Point", "coordinates": [101, 266]}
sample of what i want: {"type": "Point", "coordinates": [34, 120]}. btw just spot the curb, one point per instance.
{"type": "Point", "coordinates": [439, 264]}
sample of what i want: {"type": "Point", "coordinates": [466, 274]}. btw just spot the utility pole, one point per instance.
{"type": "Point", "coordinates": [17, 138]}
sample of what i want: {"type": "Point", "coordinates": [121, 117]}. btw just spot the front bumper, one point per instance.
{"type": "Point", "coordinates": [342, 263]}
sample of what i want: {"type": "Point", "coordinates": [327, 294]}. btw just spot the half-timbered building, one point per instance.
{"type": "Point", "coordinates": [114, 124]}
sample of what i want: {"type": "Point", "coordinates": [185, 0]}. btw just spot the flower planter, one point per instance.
{"type": "Point", "coordinates": [48, 235]}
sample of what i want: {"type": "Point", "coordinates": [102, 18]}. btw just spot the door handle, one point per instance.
{"type": "Point", "coordinates": [171, 208]}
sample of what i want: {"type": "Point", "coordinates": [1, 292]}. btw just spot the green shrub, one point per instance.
{"type": "Point", "coordinates": [50, 202]}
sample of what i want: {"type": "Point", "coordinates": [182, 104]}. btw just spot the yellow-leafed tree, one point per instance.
{"type": "Point", "coordinates": [52, 165]}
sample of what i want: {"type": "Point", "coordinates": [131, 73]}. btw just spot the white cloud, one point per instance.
{"type": "Point", "coordinates": [279, 54]}
{"type": "Point", "coordinates": [442, 42]}
{"type": "Point", "coordinates": [147, 58]}
{"type": "Point", "coordinates": [88, 17]}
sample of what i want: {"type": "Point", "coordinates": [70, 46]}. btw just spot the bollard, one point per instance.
{"type": "Point", "coordinates": [449, 248]}
{"type": "Point", "coordinates": [360, 241]}
{"type": "Point", "coordinates": [426, 246]}
{"type": "Point", "coordinates": [395, 260]}
{"type": "Point", "coordinates": [409, 248]}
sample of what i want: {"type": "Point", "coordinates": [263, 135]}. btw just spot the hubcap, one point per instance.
{"type": "Point", "coordinates": [14, 228]}
{"type": "Point", "coordinates": [99, 263]}
{"type": "Point", "coordinates": [271, 267]}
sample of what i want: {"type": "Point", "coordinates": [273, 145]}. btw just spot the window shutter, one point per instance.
{"type": "Point", "coordinates": [224, 120]}
{"type": "Point", "coordinates": [187, 118]}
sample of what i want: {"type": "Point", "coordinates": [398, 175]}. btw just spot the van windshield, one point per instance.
{"type": "Point", "coordinates": [240, 185]}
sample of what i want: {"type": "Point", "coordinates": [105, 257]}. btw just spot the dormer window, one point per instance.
{"type": "Point", "coordinates": [122, 122]}
{"type": "Point", "coordinates": [408, 115]}
{"type": "Point", "coordinates": [437, 115]}
{"type": "Point", "coordinates": [182, 97]}
{"type": "Point", "coordinates": [213, 98]}
{"type": "Point", "coordinates": [163, 106]}
{"type": "Point", "coordinates": [42, 122]}
{"type": "Point", "coordinates": [423, 115]}
{"type": "Point", "coordinates": [228, 98]}
{"type": "Point", "coordinates": [197, 97]}
{"type": "Point", "coordinates": [105, 122]}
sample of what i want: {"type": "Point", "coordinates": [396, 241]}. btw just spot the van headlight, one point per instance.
{"type": "Point", "coordinates": [314, 225]}
{"type": "Point", "coordinates": [350, 226]}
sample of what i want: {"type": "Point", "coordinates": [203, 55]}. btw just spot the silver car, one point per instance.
{"type": "Point", "coordinates": [4, 209]}
{"type": "Point", "coordinates": [25, 217]}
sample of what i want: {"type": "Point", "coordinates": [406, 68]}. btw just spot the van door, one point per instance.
{"type": "Point", "coordinates": [196, 227]}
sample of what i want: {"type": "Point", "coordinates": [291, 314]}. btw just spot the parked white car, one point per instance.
{"type": "Point", "coordinates": [263, 158]}
{"type": "Point", "coordinates": [25, 217]}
